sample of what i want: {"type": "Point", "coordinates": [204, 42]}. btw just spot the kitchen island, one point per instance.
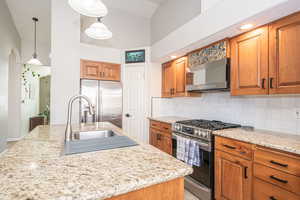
{"type": "Point", "coordinates": [34, 169]}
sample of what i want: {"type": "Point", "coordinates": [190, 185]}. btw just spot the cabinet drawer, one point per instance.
{"type": "Point", "coordinates": [279, 178]}
{"type": "Point", "coordinates": [155, 124]}
{"type": "Point", "coordinates": [234, 147]}
{"type": "Point", "coordinates": [278, 160]}
{"type": "Point", "coordinates": [266, 191]}
{"type": "Point", "coordinates": [166, 127]}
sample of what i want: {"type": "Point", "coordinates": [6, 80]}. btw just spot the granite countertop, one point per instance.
{"type": "Point", "coordinates": [33, 168]}
{"type": "Point", "coordinates": [280, 141]}
{"type": "Point", "coordinates": [168, 119]}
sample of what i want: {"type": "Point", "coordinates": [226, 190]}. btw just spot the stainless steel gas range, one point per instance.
{"type": "Point", "coordinates": [201, 182]}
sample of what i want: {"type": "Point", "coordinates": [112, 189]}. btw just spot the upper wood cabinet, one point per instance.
{"type": "Point", "coordinates": [266, 61]}
{"type": "Point", "coordinates": [249, 63]}
{"type": "Point", "coordinates": [168, 79]}
{"type": "Point", "coordinates": [174, 79]}
{"type": "Point", "coordinates": [284, 55]}
{"type": "Point", "coordinates": [100, 70]}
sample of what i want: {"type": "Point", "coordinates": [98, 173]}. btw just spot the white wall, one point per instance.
{"type": "Point", "coordinates": [172, 14]}
{"type": "Point", "coordinates": [43, 50]}
{"type": "Point", "coordinates": [65, 62]}
{"type": "Point", "coordinates": [96, 53]}
{"type": "Point", "coordinates": [219, 21]}
{"type": "Point", "coordinates": [129, 31]}
{"type": "Point", "coordinates": [9, 40]}
{"type": "Point", "coordinates": [277, 113]}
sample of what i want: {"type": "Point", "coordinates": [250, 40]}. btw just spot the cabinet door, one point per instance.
{"type": "Point", "coordinates": [90, 70]}
{"type": "Point", "coordinates": [180, 72]}
{"type": "Point", "coordinates": [167, 144]}
{"type": "Point", "coordinates": [284, 55]}
{"type": "Point", "coordinates": [153, 137]}
{"type": "Point", "coordinates": [168, 79]}
{"type": "Point", "coordinates": [110, 72]}
{"type": "Point", "coordinates": [233, 177]}
{"type": "Point", "coordinates": [249, 63]}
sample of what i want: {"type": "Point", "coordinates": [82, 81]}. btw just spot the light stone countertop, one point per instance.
{"type": "Point", "coordinates": [33, 168]}
{"type": "Point", "coordinates": [276, 140]}
{"type": "Point", "coordinates": [168, 119]}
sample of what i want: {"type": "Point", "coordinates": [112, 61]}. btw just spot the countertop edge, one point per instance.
{"type": "Point", "coordinates": [287, 149]}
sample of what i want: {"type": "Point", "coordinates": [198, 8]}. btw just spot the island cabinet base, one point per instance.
{"type": "Point", "coordinates": [171, 190]}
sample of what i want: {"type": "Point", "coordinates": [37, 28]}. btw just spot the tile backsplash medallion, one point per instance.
{"type": "Point", "coordinates": [276, 113]}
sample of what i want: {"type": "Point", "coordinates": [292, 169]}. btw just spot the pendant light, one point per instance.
{"type": "Point", "coordinates": [34, 60]}
{"type": "Point", "coordinates": [90, 8]}
{"type": "Point", "coordinates": [98, 31]}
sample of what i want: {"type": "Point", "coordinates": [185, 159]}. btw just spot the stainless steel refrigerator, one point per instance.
{"type": "Point", "coordinates": [106, 97]}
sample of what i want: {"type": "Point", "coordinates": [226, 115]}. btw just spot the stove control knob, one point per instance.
{"type": "Point", "coordinates": [196, 132]}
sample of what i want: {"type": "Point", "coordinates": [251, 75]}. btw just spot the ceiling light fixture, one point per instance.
{"type": "Point", "coordinates": [173, 57]}
{"type": "Point", "coordinates": [98, 31]}
{"type": "Point", "coordinates": [90, 8]}
{"type": "Point", "coordinates": [34, 60]}
{"type": "Point", "coordinates": [246, 26]}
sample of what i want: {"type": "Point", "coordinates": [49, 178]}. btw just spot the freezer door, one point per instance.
{"type": "Point", "coordinates": [90, 89]}
{"type": "Point", "coordinates": [110, 101]}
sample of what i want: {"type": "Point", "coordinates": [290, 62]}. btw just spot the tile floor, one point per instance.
{"type": "Point", "coordinates": [189, 196]}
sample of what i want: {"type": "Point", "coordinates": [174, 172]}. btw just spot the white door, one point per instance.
{"type": "Point", "coordinates": [134, 115]}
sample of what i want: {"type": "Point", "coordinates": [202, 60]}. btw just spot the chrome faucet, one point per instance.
{"type": "Point", "coordinates": [69, 132]}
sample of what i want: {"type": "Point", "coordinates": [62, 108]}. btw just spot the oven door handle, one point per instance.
{"type": "Point", "coordinates": [202, 146]}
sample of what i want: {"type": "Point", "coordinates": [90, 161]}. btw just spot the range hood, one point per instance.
{"type": "Point", "coordinates": [210, 76]}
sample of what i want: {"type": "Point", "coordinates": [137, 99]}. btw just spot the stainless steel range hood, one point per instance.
{"type": "Point", "coordinates": [211, 76]}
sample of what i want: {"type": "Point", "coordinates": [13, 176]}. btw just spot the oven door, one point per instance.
{"type": "Point", "coordinates": [205, 173]}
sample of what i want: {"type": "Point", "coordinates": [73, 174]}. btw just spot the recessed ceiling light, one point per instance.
{"type": "Point", "coordinates": [173, 57]}
{"type": "Point", "coordinates": [246, 26]}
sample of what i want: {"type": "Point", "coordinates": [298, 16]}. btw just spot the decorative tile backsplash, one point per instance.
{"type": "Point", "coordinates": [276, 113]}
{"type": "Point", "coordinates": [209, 54]}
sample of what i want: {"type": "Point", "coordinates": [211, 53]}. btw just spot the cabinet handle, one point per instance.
{"type": "Point", "coordinates": [263, 83]}
{"type": "Point", "coordinates": [279, 164]}
{"type": "Point", "coordinates": [228, 146]}
{"type": "Point", "coordinates": [271, 82]}
{"type": "Point", "coordinates": [246, 172]}
{"type": "Point", "coordinates": [272, 198]}
{"type": "Point", "coordinates": [158, 137]}
{"type": "Point", "coordinates": [278, 179]}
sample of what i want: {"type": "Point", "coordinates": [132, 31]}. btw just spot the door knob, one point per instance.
{"type": "Point", "coordinates": [127, 115]}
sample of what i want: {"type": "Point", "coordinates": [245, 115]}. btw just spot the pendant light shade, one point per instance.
{"type": "Point", "coordinates": [90, 8]}
{"type": "Point", "coordinates": [34, 60]}
{"type": "Point", "coordinates": [98, 31]}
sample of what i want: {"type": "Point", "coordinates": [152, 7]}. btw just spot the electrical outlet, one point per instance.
{"type": "Point", "coordinates": [297, 113]}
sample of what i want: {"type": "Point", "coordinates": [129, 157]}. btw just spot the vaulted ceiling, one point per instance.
{"type": "Point", "coordinates": [22, 12]}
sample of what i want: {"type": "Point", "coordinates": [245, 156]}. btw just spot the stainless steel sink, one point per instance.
{"type": "Point", "coordinates": [87, 135]}
{"type": "Point", "coordinates": [89, 141]}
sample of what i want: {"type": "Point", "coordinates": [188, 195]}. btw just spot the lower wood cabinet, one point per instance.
{"type": "Point", "coordinates": [259, 173]}
{"type": "Point", "coordinates": [267, 191]}
{"type": "Point", "coordinates": [171, 190]}
{"type": "Point", "coordinates": [233, 177]}
{"type": "Point", "coordinates": [160, 136]}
